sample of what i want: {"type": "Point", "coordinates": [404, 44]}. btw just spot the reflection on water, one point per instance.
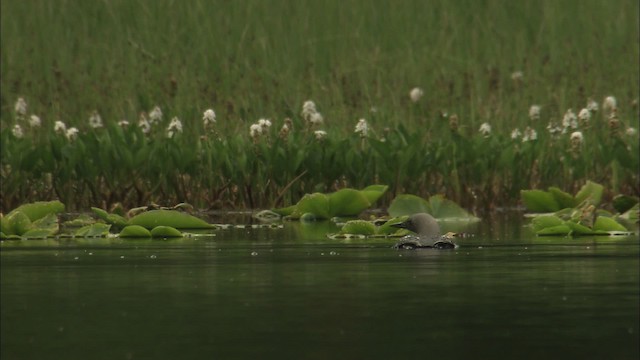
{"type": "Point", "coordinates": [293, 293]}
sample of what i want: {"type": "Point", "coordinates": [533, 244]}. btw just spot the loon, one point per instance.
{"type": "Point", "coordinates": [428, 234]}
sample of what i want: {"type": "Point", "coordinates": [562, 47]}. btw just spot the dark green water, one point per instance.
{"type": "Point", "coordinates": [293, 294]}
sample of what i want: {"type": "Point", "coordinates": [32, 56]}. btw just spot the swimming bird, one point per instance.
{"type": "Point", "coordinates": [427, 233]}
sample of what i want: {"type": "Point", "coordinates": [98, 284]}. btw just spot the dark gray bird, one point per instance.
{"type": "Point", "coordinates": [427, 234]}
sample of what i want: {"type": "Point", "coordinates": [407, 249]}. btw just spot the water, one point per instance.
{"type": "Point", "coordinates": [293, 293]}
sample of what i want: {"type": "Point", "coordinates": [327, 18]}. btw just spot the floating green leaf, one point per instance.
{"type": "Point", "coordinates": [347, 202]}
{"type": "Point", "coordinates": [18, 223]}
{"type": "Point", "coordinates": [165, 232]}
{"type": "Point", "coordinates": [47, 224]}
{"type": "Point", "coordinates": [179, 220]}
{"type": "Point", "coordinates": [93, 230]}
{"type": "Point", "coordinates": [387, 229]}
{"type": "Point", "coordinates": [80, 221]}
{"type": "Point", "coordinates": [40, 209]}
{"type": "Point", "coordinates": [539, 201]}
{"type": "Point", "coordinates": [591, 192]}
{"type": "Point", "coordinates": [342, 203]}
{"type": "Point", "coordinates": [446, 209]}
{"type": "Point", "coordinates": [438, 206]}
{"type": "Point", "coordinates": [563, 199]}
{"type": "Point", "coordinates": [555, 230]}
{"type": "Point", "coordinates": [361, 227]}
{"type": "Point", "coordinates": [607, 224]}
{"type": "Point", "coordinates": [408, 204]}
{"type": "Point", "coordinates": [135, 231]}
{"type": "Point", "coordinates": [4, 224]}
{"type": "Point", "coordinates": [316, 203]}
{"type": "Point", "coordinates": [546, 221]}
{"type": "Point", "coordinates": [578, 229]}
{"type": "Point", "coordinates": [113, 219]}
{"type": "Point", "coordinates": [374, 192]}
{"type": "Point", "coordinates": [37, 234]}
{"type": "Point", "coordinates": [286, 211]}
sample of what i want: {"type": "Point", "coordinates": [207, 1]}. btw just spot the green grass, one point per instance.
{"type": "Point", "coordinates": [263, 59]}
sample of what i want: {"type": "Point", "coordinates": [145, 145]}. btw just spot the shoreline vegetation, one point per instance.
{"type": "Point", "coordinates": [260, 103]}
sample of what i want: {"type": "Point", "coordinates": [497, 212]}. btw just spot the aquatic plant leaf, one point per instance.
{"type": "Point", "coordinates": [37, 234]}
{"type": "Point", "coordinates": [81, 220]}
{"type": "Point", "coordinates": [591, 192]}
{"type": "Point", "coordinates": [165, 232]}
{"type": "Point", "coordinates": [179, 220]}
{"type": "Point", "coordinates": [545, 221]}
{"type": "Point", "coordinates": [539, 201]}
{"type": "Point", "coordinates": [113, 219]}
{"type": "Point", "coordinates": [408, 204]}
{"type": "Point", "coordinates": [49, 223]}
{"type": "Point", "coordinates": [374, 192]}
{"type": "Point", "coordinates": [135, 231]}
{"type": "Point", "coordinates": [438, 206]}
{"type": "Point", "coordinates": [622, 203]}
{"type": "Point", "coordinates": [316, 203]}
{"type": "Point", "coordinates": [442, 208]}
{"type": "Point", "coordinates": [579, 229]}
{"type": "Point", "coordinates": [4, 224]}
{"type": "Point", "coordinates": [101, 214]}
{"type": "Point", "coordinates": [632, 215]}
{"type": "Point", "coordinates": [347, 202]}
{"type": "Point", "coordinates": [387, 229]}
{"type": "Point", "coordinates": [555, 230]}
{"type": "Point", "coordinates": [93, 230]}
{"type": "Point", "coordinates": [40, 209]}
{"type": "Point", "coordinates": [564, 199]}
{"type": "Point", "coordinates": [360, 227]}
{"type": "Point", "coordinates": [603, 223]}
{"type": "Point", "coordinates": [285, 211]}
{"type": "Point", "coordinates": [18, 223]}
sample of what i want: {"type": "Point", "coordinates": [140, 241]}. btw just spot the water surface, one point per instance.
{"type": "Point", "coordinates": [293, 293]}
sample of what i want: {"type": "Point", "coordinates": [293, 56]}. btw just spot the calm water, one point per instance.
{"type": "Point", "coordinates": [294, 294]}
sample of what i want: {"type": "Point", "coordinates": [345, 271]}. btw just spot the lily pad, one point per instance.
{"type": "Point", "coordinates": [558, 230]}
{"type": "Point", "coordinates": [37, 234]}
{"type": "Point", "coordinates": [173, 218]}
{"type": "Point", "coordinates": [579, 229]}
{"type": "Point", "coordinates": [563, 199]}
{"type": "Point", "coordinates": [39, 209]}
{"type": "Point", "coordinates": [603, 223]}
{"type": "Point", "coordinates": [438, 206]}
{"type": "Point", "coordinates": [316, 203]}
{"type": "Point", "coordinates": [539, 201]}
{"type": "Point", "coordinates": [374, 192]}
{"type": "Point", "coordinates": [342, 203]}
{"type": "Point", "coordinates": [93, 230]}
{"type": "Point", "coordinates": [47, 224]}
{"type": "Point", "coordinates": [348, 202]}
{"type": "Point", "coordinates": [113, 219]}
{"type": "Point", "coordinates": [17, 223]}
{"type": "Point", "coordinates": [135, 231]}
{"type": "Point", "coordinates": [407, 204]}
{"type": "Point", "coordinates": [546, 221]}
{"type": "Point", "coordinates": [388, 229]}
{"type": "Point", "coordinates": [165, 232]}
{"type": "Point", "coordinates": [361, 227]}
{"type": "Point", "coordinates": [285, 211]}
{"type": "Point", "coordinates": [591, 192]}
